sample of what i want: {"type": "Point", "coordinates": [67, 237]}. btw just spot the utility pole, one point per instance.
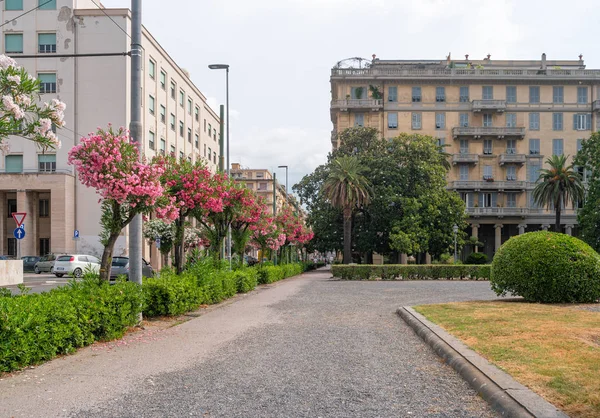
{"type": "Point", "coordinates": [222, 139]}
{"type": "Point", "coordinates": [275, 207]}
{"type": "Point", "coordinates": [135, 128]}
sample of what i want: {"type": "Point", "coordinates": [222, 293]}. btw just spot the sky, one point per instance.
{"type": "Point", "coordinates": [281, 53]}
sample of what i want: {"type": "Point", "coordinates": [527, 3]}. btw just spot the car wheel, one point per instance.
{"type": "Point", "coordinates": [59, 275]}
{"type": "Point", "coordinates": [77, 273]}
{"type": "Point", "coordinates": [36, 270]}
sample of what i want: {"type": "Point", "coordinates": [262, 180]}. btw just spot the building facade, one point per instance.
{"type": "Point", "coordinates": [499, 121]}
{"type": "Point", "coordinates": [96, 90]}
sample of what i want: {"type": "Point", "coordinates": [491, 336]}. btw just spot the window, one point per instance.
{"type": "Point", "coordinates": [416, 94]}
{"type": "Point", "coordinates": [464, 172]}
{"type": "Point", "coordinates": [534, 146]}
{"type": "Point", "coordinates": [440, 94]}
{"type": "Point", "coordinates": [533, 172]}
{"type": "Point", "coordinates": [557, 147]}
{"type": "Point", "coordinates": [189, 135]}
{"type": "Point", "coordinates": [214, 157]}
{"type": "Point", "coordinates": [172, 122]}
{"type": "Point", "coordinates": [262, 186]}
{"type": "Point", "coordinates": [151, 69]}
{"type": "Point", "coordinates": [44, 246]}
{"type": "Point", "coordinates": [534, 121]}
{"type": "Point", "coordinates": [12, 207]}
{"type": "Point", "coordinates": [511, 94]}
{"type": "Point", "coordinates": [181, 128]}
{"type": "Point", "coordinates": [209, 130]}
{"type": "Point", "coordinates": [467, 198]}
{"type": "Point", "coordinates": [209, 152]}
{"type": "Point", "coordinates": [181, 155]}
{"type": "Point", "coordinates": [197, 140]}
{"type": "Point", "coordinates": [487, 146]}
{"type": "Point", "coordinates": [190, 105]}
{"type": "Point", "coordinates": [359, 119]}
{"type": "Point", "coordinates": [163, 114]}
{"type": "Point", "coordinates": [557, 121]}
{"type": "Point", "coordinates": [13, 5]}
{"type": "Point", "coordinates": [487, 92]}
{"type": "Point", "coordinates": [487, 120]}
{"type": "Point", "coordinates": [47, 163]}
{"type": "Point", "coordinates": [151, 140]}
{"type": "Point", "coordinates": [47, 43]}
{"type": "Point", "coordinates": [163, 146]}
{"type": "Point", "coordinates": [464, 120]}
{"type": "Point", "coordinates": [12, 247]}
{"type": "Point", "coordinates": [511, 120]}
{"type": "Point", "coordinates": [357, 93]}
{"type": "Point", "coordinates": [511, 146]}
{"type": "Point", "coordinates": [534, 94]}
{"type": "Point", "coordinates": [48, 82]}
{"type": "Point", "coordinates": [181, 97]}
{"type": "Point", "coordinates": [582, 122]}
{"type": "Point", "coordinates": [173, 88]}
{"type": "Point", "coordinates": [441, 141]}
{"type": "Point", "coordinates": [173, 150]}
{"type": "Point", "coordinates": [487, 172]}
{"type": "Point", "coordinates": [392, 94]}
{"type": "Point", "coordinates": [464, 94]}
{"type": "Point", "coordinates": [151, 105]}
{"type": "Point", "coordinates": [197, 114]}
{"type": "Point", "coordinates": [511, 200]}
{"type": "Point", "coordinates": [393, 120]}
{"type": "Point", "coordinates": [13, 43]}
{"type": "Point", "coordinates": [416, 120]}
{"type": "Point", "coordinates": [582, 95]}
{"type": "Point", "coordinates": [440, 121]}
{"type": "Point", "coordinates": [163, 79]}
{"type": "Point", "coordinates": [47, 4]}
{"type": "Point", "coordinates": [13, 164]}
{"type": "Point", "coordinates": [464, 146]}
{"type": "Point", "coordinates": [511, 173]}
{"type": "Point", "coordinates": [215, 134]}
{"type": "Point", "coordinates": [558, 94]}
{"type": "Point", "coordinates": [44, 208]}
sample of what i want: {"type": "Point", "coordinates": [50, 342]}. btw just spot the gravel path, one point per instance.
{"type": "Point", "coordinates": [332, 349]}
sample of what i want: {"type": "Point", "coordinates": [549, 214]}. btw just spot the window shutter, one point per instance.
{"type": "Point", "coordinates": [494, 199]}
{"type": "Point", "coordinates": [588, 124]}
{"type": "Point", "coordinates": [575, 121]}
{"type": "Point", "coordinates": [480, 200]}
{"type": "Point", "coordinates": [47, 38]}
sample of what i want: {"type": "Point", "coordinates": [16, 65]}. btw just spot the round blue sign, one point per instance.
{"type": "Point", "coordinates": [19, 233]}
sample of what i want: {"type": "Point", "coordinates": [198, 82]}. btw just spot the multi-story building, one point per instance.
{"type": "Point", "coordinates": [176, 117]}
{"type": "Point", "coordinates": [499, 121]}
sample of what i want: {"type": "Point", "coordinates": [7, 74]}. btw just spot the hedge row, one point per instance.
{"type": "Point", "coordinates": [411, 272]}
{"type": "Point", "coordinates": [37, 327]}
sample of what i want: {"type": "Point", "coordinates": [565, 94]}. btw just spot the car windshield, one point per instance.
{"type": "Point", "coordinates": [64, 258]}
{"type": "Point", "coordinates": [120, 261]}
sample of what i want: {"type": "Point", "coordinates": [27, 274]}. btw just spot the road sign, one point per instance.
{"type": "Point", "coordinates": [76, 234]}
{"type": "Point", "coordinates": [19, 233]}
{"type": "Point", "coordinates": [19, 217]}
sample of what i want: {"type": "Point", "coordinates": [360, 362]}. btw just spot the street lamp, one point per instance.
{"type": "Point", "coordinates": [226, 68]}
{"type": "Point", "coordinates": [286, 176]}
{"type": "Point", "coordinates": [455, 230]}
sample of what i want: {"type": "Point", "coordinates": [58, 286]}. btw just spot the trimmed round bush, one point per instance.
{"type": "Point", "coordinates": [476, 258]}
{"type": "Point", "coordinates": [547, 267]}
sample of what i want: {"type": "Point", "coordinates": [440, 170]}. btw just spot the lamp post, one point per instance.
{"type": "Point", "coordinates": [455, 230]}
{"type": "Point", "coordinates": [286, 176]}
{"type": "Point", "coordinates": [226, 68]}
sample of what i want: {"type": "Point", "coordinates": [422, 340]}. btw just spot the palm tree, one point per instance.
{"type": "Point", "coordinates": [557, 185]}
{"type": "Point", "coordinates": [347, 188]}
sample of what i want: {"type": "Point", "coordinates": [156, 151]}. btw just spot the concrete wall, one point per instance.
{"type": "Point", "coordinates": [11, 272]}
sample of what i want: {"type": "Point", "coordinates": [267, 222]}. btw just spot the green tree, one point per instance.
{"type": "Point", "coordinates": [588, 217]}
{"type": "Point", "coordinates": [558, 185]}
{"type": "Point", "coordinates": [347, 188]}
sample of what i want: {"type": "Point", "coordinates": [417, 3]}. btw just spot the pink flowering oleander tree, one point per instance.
{"type": "Point", "coordinates": [21, 113]}
{"type": "Point", "coordinates": [266, 235]}
{"type": "Point", "coordinates": [249, 214]}
{"type": "Point", "coordinates": [296, 232]}
{"type": "Point", "coordinates": [109, 162]}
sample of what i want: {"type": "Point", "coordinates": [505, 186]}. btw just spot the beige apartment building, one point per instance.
{"type": "Point", "coordinates": [499, 120]}
{"type": "Point", "coordinates": [176, 118]}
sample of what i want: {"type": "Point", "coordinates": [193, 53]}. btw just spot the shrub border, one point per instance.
{"type": "Point", "coordinates": [412, 272]}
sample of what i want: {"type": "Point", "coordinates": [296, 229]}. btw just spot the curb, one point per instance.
{"type": "Point", "coordinates": [504, 394]}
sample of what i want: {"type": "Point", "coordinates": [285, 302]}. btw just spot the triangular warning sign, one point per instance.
{"type": "Point", "coordinates": [19, 217]}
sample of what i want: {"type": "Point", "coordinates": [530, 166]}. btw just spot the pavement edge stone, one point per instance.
{"type": "Point", "coordinates": [504, 394]}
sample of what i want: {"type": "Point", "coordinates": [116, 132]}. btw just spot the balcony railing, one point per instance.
{"type": "Point", "coordinates": [481, 131]}
{"type": "Point", "coordinates": [488, 185]}
{"type": "Point", "coordinates": [465, 158]}
{"type": "Point", "coordinates": [506, 73]}
{"type": "Point", "coordinates": [345, 104]}
{"type": "Point", "coordinates": [501, 212]}
{"type": "Point", "coordinates": [512, 159]}
{"type": "Point", "coordinates": [596, 105]}
{"type": "Point", "coordinates": [483, 105]}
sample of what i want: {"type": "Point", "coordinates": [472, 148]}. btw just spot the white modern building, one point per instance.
{"type": "Point", "coordinates": [96, 90]}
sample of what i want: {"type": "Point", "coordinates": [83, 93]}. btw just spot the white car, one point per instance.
{"type": "Point", "coordinates": [75, 265]}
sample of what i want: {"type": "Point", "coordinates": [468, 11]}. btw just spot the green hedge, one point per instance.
{"type": "Point", "coordinates": [411, 272]}
{"type": "Point", "coordinates": [547, 267]}
{"type": "Point", "coordinates": [38, 327]}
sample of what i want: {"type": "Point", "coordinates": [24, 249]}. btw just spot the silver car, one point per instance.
{"type": "Point", "coordinates": [45, 265]}
{"type": "Point", "coordinates": [120, 267]}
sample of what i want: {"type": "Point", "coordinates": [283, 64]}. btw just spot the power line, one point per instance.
{"type": "Point", "coordinates": [29, 11]}
{"type": "Point", "coordinates": [102, 10]}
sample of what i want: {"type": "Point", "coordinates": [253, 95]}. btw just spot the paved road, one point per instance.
{"type": "Point", "coordinates": [305, 347]}
{"type": "Point", "coordinates": [39, 283]}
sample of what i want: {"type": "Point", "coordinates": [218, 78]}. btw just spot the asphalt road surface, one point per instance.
{"type": "Point", "coordinates": [305, 347]}
{"type": "Point", "coordinates": [38, 283]}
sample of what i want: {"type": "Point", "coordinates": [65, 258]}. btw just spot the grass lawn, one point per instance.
{"type": "Point", "coordinates": [554, 350]}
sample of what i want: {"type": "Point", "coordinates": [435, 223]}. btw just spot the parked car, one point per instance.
{"type": "Point", "coordinates": [45, 264]}
{"type": "Point", "coordinates": [75, 265]}
{"type": "Point", "coordinates": [120, 267]}
{"type": "Point", "coordinates": [250, 260]}
{"type": "Point", "coordinates": [6, 257]}
{"type": "Point", "coordinates": [29, 262]}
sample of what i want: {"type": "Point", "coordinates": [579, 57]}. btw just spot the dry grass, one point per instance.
{"type": "Point", "coordinates": [554, 350]}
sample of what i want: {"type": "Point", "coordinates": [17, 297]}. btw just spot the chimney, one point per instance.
{"type": "Point", "coordinates": [544, 61]}
{"type": "Point", "coordinates": [467, 57]}
{"type": "Point", "coordinates": [374, 56]}
{"type": "Point", "coordinates": [235, 166]}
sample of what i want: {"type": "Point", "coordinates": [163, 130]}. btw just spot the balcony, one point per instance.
{"type": "Point", "coordinates": [488, 185]}
{"type": "Point", "coordinates": [388, 72]}
{"type": "Point", "coordinates": [596, 105]}
{"type": "Point", "coordinates": [487, 105]}
{"type": "Point", "coordinates": [345, 104]}
{"type": "Point", "coordinates": [498, 212]}
{"type": "Point", "coordinates": [512, 159]}
{"type": "Point", "coordinates": [494, 131]}
{"type": "Point", "coordinates": [465, 159]}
